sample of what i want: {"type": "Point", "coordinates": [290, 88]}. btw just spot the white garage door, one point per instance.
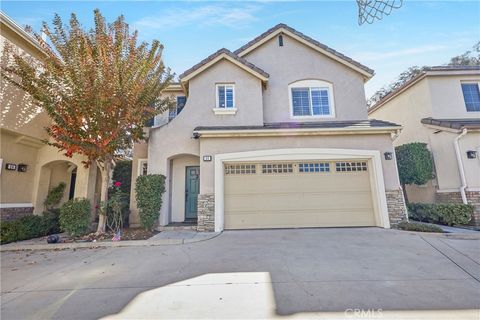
{"type": "Point", "coordinates": [298, 194]}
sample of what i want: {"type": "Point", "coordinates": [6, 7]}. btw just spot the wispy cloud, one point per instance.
{"type": "Point", "coordinates": [232, 15]}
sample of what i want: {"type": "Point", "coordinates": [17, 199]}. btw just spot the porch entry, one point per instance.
{"type": "Point", "coordinates": [192, 188]}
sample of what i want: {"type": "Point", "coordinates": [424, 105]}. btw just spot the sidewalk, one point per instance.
{"type": "Point", "coordinates": [160, 239]}
{"type": "Point", "coordinates": [454, 232]}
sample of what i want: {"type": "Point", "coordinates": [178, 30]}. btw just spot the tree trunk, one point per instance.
{"type": "Point", "coordinates": [102, 218]}
{"type": "Point", "coordinates": [404, 189]}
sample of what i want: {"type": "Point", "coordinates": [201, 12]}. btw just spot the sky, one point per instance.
{"type": "Point", "coordinates": [419, 33]}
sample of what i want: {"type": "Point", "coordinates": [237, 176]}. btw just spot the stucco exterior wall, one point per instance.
{"type": "Point", "coordinates": [178, 186]}
{"type": "Point", "coordinates": [407, 109]}
{"type": "Point", "coordinates": [60, 173]}
{"type": "Point", "coordinates": [423, 194]}
{"type": "Point", "coordinates": [213, 146]}
{"type": "Point", "coordinates": [447, 97]}
{"type": "Point", "coordinates": [19, 113]}
{"type": "Point", "coordinates": [16, 187]}
{"type": "Point", "coordinates": [247, 96]}
{"type": "Point", "coordinates": [198, 111]}
{"type": "Point", "coordinates": [448, 175]}
{"type": "Point", "coordinates": [295, 61]}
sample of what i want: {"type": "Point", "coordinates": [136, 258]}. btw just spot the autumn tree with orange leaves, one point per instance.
{"type": "Point", "coordinates": [99, 87]}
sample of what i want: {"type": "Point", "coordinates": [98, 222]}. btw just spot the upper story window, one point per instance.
{"type": "Point", "coordinates": [181, 101]}
{"type": "Point", "coordinates": [311, 98]}
{"type": "Point", "coordinates": [225, 96]}
{"type": "Point", "coordinates": [471, 95]}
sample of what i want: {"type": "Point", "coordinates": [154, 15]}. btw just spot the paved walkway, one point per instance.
{"type": "Point", "coordinates": [160, 239]}
{"type": "Point", "coordinates": [449, 229]}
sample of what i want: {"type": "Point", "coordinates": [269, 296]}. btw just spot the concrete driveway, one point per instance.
{"type": "Point", "coordinates": [298, 273]}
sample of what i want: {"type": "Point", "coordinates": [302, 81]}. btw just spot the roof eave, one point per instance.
{"type": "Point", "coordinates": [296, 132]}
{"type": "Point", "coordinates": [20, 31]}
{"type": "Point", "coordinates": [217, 59]}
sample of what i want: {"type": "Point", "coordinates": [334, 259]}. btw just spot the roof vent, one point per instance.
{"type": "Point", "coordinates": [280, 41]}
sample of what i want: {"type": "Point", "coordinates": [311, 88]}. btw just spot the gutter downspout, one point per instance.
{"type": "Point", "coordinates": [460, 165]}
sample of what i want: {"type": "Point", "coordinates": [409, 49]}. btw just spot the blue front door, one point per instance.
{"type": "Point", "coordinates": [192, 188]}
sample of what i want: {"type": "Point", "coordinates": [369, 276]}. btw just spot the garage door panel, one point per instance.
{"type": "Point", "coordinates": [337, 182]}
{"type": "Point", "coordinates": [296, 219]}
{"type": "Point", "coordinates": [298, 199]}
{"type": "Point", "coordinates": [312, 200]}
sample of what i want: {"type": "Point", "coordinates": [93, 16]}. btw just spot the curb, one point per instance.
{"type": "Point", "coordinates": [119, 244]}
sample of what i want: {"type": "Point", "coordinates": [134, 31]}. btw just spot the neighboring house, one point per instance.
{"type": "Point", "coordinates": [29, 167]}
{"type": "Point", "coordinates": [441, 107]}
{"type": "Point", "coordinates": [273, 135]}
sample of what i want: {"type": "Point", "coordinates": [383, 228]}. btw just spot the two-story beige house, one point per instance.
{"type": "Point", "coordinates": [441, 107]}
{"type": "Point", "coordinates": [274, 135]}
{"type": "Point", "coordinates": [28, 167]}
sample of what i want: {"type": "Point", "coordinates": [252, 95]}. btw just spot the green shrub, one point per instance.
{"type": "Point", "coordinates": [148, 191]}
{"type": "Point", "coordinates": [75, 216]}
{"type": "Point", "coordinates": [415, 163]}
{"type": "Point", "coordinates": [412, 226]}
{"type": "Point", "coordinates": [55, 195]}
{"type": "Point", "coordinates": [9, 232]}
{"type": "Point", "coordinates": [29, 227]}
{"type": "Point", "coordinates": [52, 221]}
{"type": "Point", "coordinates": [32, 227]}
{"type": "Point", "coordinates": [442, 213]}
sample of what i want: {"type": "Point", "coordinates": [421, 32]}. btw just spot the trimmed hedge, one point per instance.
{"type": "Point", "coordinates": [29, 227]}
{"type": "Point", "coordinates": [148, 193]}
{"type": "Point", "coordinates": [412, 226]}
{"type": "Point", "coordinates": [75, 216]}
{"type": "Point", "coordinates": [442, 213]}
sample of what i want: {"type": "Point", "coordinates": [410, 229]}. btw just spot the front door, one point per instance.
{"type": "Point", "coordinates": [192, 187]}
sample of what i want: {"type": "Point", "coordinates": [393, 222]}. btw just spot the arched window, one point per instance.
{"type": "Point", "coordinates": [311, 99]}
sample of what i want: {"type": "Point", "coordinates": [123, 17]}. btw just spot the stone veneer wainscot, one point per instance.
{"type": "Point", "coordinates": [396, 207]}
{"type": "Point", "coordinates": [9, 214]}
{"type": "Point", "coordinates": [206, 212]}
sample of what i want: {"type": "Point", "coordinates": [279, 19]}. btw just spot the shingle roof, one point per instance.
{"type": "Point", "coordinates": [230, 54]}
{"type": "Point", "coordinates": [452, 68]}
{"type": "Point", "coordinates": [306, 125]}
{"type": "Point", "coordinates": [306, 38]}
{"type": "Point", "coordinates": [453, 123]}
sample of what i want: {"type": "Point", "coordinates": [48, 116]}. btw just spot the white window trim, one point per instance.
{"type": "Point", "coordinates": [16, 205]}
{"type": "Point", "coordinates": [312, 84]}
{"type": "Point", "coordinates": [463, 97]}
{"type": "Point", "coordinates": [139, 166]}
{"type": "Point", "coordinates": [224, 111]}
{"type": "Point", "coordinates": [217, 106]}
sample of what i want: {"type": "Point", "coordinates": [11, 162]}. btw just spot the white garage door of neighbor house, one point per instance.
{"type": "Point", "coordinates": [298, 194]}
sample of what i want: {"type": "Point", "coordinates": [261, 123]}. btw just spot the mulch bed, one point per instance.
{"type": "Point", "coordinates": [126, 234]}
